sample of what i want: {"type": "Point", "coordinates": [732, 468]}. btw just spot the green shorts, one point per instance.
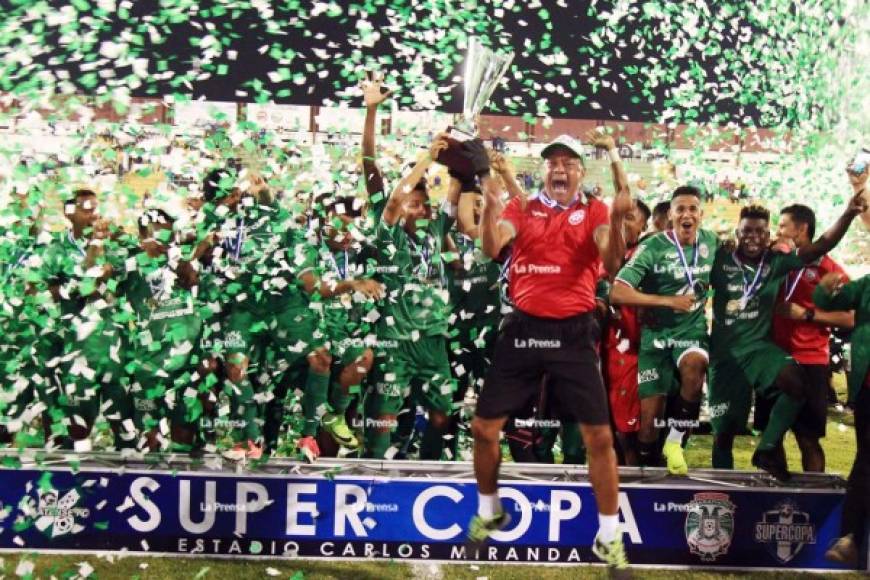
{"type": "Point", "coordinates": [417, 369]}
{"type": "Point", "coordinates": [292, 334]}
{"type": "Point", "coordinates": [659, 359]}
{"type": "Point", "coordinates": [734, 377]}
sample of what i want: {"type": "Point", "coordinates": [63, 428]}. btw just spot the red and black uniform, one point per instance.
{"type": "Point", "coordinates": [619, 349]}
{"type": "Point", "coordinates": [808, 343]}
{"type": "Point", "coordinates": [553, 273]}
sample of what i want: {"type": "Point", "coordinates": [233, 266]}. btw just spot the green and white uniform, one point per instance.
{"type": "Point", "coordinates": [744, 355]}
{"type": "Point", "coordinates": [23, 322]}
{"type": "Point", "coordinates": [661, 266]}
{"type": "Point", "coordinates": [89, 343]}
{"type": "Point", "coordinates": [164, 345]}
{"type": "Point", "coordinates": [270, 320]}
{"type": "Point", "coordinates": [476, 302]}
{"type": "Point", "coordinates": [413, 326]}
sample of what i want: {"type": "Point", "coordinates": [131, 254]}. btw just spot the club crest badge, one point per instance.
{"type": "Point", "coordinates": [577, 217]}
{"type": "Point", "coordinates": [710, 525]}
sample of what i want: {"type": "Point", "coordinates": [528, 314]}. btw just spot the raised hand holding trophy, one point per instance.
{"type": "Point", "coordinates": [483, 71]}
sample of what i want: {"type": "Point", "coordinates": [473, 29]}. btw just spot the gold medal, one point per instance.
{"type": "Point", "coordinates": [732, 307]}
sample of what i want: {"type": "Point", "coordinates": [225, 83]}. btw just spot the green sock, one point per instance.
{"type": "Point", "coordinates": [339, 400]}
{"type": "Point", "coordinates": [723, 458]}
{"type": "Point", "coordinates": [573, 451]}
{"type": "Point", "coordinates": [378, 443]}
{"type": "Point", "coordinates": [244, 412]}
{"type": "Point", "coordinates": [782, 416]}
{"type": "Point", "coordinates": [314, 402]}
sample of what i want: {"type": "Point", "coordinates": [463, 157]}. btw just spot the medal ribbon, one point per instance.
{"type": "Point", "coordinates": [690, 276]}
{"type": "Point", "coordinates": [790, 288]}
{"type": "Point", "coordinates": [342, 272]}
{"type": "Point", "coordinates": [75, 242]}
{"type": "Point", "coordinates": [749, 292]}
{"type": "Point", "coordinates": [425, 252]}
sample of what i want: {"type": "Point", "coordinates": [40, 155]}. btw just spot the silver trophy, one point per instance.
{"type": "Point", "coordinates": [483, 71]}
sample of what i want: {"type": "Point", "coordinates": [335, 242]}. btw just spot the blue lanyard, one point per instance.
{"type": "Point", "coordinates": [690, 276]}
{"type": "Point", "coordinates": [791, 288]}
{"type": "Point", "coordinates": [342, 272]}
{"type": "Point", "coordinates": [425, 252]}
{"type": "Point", "coordinates": [75, 242]}
{"type": "Point", "coordinates": [235, 246]}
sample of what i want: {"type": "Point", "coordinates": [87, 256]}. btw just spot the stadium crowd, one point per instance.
{"type": "Point", "coordinates": [332, 323]}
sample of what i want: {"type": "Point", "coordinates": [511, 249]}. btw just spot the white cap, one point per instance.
{"type": "Point", "coordinates": [566, 141]}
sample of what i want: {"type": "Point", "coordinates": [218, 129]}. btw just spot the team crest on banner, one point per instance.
{"type": "Point", "coordinates": [710, 525]}
{"type": "Point", "coordinates": [785, 530]}
{"type": "Point", "coordinates": [577, 217]}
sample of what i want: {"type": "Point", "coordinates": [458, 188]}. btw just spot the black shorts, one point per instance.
{"type": "Point", "coordinates": [812, 421]}
{"type": "Point", "coordinates": [564, 349]}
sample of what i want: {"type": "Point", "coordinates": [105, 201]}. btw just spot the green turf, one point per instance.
{"type": "Point", "coordinates": [162, 568]}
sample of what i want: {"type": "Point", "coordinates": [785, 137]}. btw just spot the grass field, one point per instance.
{"type": "Point", "coordinates": [201, 569]}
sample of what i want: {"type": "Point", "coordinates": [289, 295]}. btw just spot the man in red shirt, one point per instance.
{"type": "Point", "coordinates": [804, 332]}
{"type": "Point", "coordinates": [558, 243]}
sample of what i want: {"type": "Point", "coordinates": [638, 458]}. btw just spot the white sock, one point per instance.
{"type": "Point", "coordinates": [608, 526]}
{"type": "Point", "coordinates": [488, 505]}
{"type": "Point", "coordinates": [675, 436]}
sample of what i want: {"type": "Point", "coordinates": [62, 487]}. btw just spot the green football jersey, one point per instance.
{"type": "Point", "coordinates": [413, 271]}
{"type": "Point", "coordinates": [474, 288]}
{"type": "Point", "coordinates": [166, 317]}
{"type": "Point", "coordinates": [656, 268]}
{"type": "Point", "coordinates": [263, 253]}
{"type": "Point", "coordinates": [741, 321]}
{"type": "Point", "coordinates": [63, 264]}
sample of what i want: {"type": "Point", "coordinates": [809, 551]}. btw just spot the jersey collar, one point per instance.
{"type": "Point", "coordinates": [553, 204]}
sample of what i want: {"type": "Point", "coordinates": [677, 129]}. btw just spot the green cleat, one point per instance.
{"type": "Point", "coordinates": [480, 529]}
{"type": "Point", "coordinates": [673, 453]}
{"type": "Point", "coordinates": [337, 427]}
{"type": "Point", "coordinates": [613, 554]}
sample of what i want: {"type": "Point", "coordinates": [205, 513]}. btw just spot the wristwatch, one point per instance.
{"type": "Point", "coordinates": [810, 314]}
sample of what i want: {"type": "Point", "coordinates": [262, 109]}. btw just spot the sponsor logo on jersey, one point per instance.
{"type": "Point", "coordinates": [704, 251]}
{"type": "Point", "coordinates": [785, 530]}
{"type": "Point", "coordinates": [710, 525]}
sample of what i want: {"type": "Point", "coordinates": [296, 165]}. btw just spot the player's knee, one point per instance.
{"type": "Point", "coordinates": [693, 367]}
{"type": "Point", "coordinates": [792, 381]}
{"type": "Point", "coordinates": [485, 430]}
{"type": "Point", "coordinates": [598, 440]}
{"type": "Point", "coordinates": [366, 360]}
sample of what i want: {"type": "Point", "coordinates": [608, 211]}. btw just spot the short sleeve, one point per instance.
{"type": "Point", "coordinates": [848, 298]}
{"type": "Point", "coordinates": [829, 266]}
{"type": "Point", "coordinates": [636, 269]}
{"type": "Point", "coordinates": [785, 263]}
{"type": "Point", "coordinates": [513, 214]}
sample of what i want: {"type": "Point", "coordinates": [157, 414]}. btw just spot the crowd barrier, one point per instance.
{"type": "Point", "coordinates": [407, 511]}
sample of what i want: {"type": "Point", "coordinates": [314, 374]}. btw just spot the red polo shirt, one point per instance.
{"type": "Point", "coordinates": [807, 342]}
{"type": "Point", "coordinates": [554, 258]}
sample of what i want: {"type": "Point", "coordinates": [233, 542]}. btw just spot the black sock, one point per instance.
{"type": "Point", "coordinates": [648, 454]}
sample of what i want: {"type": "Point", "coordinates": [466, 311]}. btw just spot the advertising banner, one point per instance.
{"type": "Point", "coordinates": [407, 518]}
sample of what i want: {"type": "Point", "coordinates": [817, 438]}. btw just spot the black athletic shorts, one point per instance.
{"type": "Point", "coordinates": [528, 347]}
{"type": "Point", "coordinates": [812, 421]}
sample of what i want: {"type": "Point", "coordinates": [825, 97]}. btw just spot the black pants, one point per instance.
{"type": "Point", "coordinates": [856, 509]}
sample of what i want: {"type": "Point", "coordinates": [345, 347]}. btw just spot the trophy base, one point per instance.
{"type": "Point", "coordinates": [453, 158]}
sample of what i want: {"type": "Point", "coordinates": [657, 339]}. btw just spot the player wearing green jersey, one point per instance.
{"type": "Point", "coordinates": [668, 276]}
{"type": "Point", "coordinates": [341, 264]}
{"type": "Point", "coordinates": [413, 321]}
{"type": "Point", "coordinates": [745, 286]}
{"type": "Point", "coordinates": [82, 269]}
{"type": "Point", "coordinates": [165, 337]}
{"type": "Point", "coordinates": [22, 321]}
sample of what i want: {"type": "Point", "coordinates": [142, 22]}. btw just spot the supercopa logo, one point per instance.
{"type": "Point", "coordinates": [57, 515]}
{"type": "Point", "coordinates": [785, 530]}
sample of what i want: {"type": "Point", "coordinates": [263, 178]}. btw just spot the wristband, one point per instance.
{"type": "Point", "coordinates": [614, 155]}
{"type": "Point", "coordinates": [810, 314]}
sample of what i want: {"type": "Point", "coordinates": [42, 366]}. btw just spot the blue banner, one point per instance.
{"type": "Point", "coordinates": [406, 518]}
